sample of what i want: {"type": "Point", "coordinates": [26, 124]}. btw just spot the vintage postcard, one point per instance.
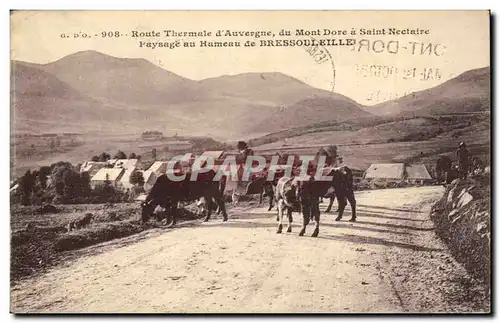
{"type": "Point", "coordinates": [233, 162]}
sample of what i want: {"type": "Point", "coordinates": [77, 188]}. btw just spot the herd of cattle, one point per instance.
{"type": "Point", "coordinates": [290, 193]}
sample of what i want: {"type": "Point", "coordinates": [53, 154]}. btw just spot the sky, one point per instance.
{"type": "Point", "coordinates": [375, 69]}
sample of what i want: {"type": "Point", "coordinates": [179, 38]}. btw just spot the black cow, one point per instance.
{"type": "Point", "coordinates": [343, 186]}
{"type": "Point", "coordinates": [168, 193]}
{"type": "Point", "coordinates": [261, 185]}
{"type": "Point", "coordinates": [343, 189]}
{"type": "Point", "coordinates": [443, 166]}
{"type": "Point", "coordinates": [452, 174]}
{"type": "Point", "coordinates": [331, 196]}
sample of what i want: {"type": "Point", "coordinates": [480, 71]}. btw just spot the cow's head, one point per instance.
{"type": "Point", "coordinates": [202, 206]}
{"type": "Point", "coordinates": [292, 195]}
{"type": "Point", "coordinates": [147, 211]}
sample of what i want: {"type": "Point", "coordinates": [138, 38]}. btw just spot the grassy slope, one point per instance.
{"type": "Point", "coordinates": [468, 92]}
{"type": "Point", "coordinates": [363, 146]}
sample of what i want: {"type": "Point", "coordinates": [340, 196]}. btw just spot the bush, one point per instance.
{"type": "Point", "coordinates": [48, 209]}
{"type": "Point", "coordinates": [96, 234]}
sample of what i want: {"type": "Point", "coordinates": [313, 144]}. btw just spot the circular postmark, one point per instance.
{"type": "Point", "coordinates": [321, 56]}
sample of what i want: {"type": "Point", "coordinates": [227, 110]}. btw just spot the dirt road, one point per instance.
{"type": "Point", "coordinates": [388, 261]}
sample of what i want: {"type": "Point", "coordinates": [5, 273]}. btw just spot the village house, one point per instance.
{"type": "Point", "coordinates": [389, 172]}
{"type": "Point", "coordinates": [125, 179]}
{"type": "Point", "coordinates": [125, 163]}
{"type": "Point", "coordinates": [418, 174]}
{"type": "Point", "coordinates": [92, 167]}
{"type": "Point", "coordinates": [113, 175]}
{"type": "Point", "coordinates": [158, 167]}
{"type": "Point", "coordinates": [149, 179]}
{"type": "Point", "coordinates": [398, 172]}
{"type": "Point", "coordinates": [177, 145]}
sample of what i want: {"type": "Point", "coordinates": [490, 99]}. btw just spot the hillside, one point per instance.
{"type": "Point", "coordinates": [468, 92]}
{"type": "Point", "coordinates": [40, 98]}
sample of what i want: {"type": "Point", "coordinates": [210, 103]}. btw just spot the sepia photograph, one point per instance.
{"type": "Point", "coordinates": [250, 162]}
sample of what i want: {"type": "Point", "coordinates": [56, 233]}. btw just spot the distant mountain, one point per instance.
{"type": "Point", "coordinates": [267, 88]}
{"type": "Point", "coordinates": [331, 107]}
{"type": "Point", "coordinates": [42, 102]}
{"type": "Point", "coordinates": [132, 81]}
{"type": "Point", "coordinates": [92, 90]}
{"type": "Point", "coordinates": [468, 92]}
{"type": "Point", "coordinates": [39, 97]}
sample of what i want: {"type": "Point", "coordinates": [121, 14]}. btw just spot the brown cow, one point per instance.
{"type": "Point", "coordinates": [297, 194]}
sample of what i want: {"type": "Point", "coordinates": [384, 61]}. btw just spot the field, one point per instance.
{"type": "Point", "coordinates": [89, 145]}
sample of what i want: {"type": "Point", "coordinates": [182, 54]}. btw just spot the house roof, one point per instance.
{"type": "Point", "coordinates": [188, 156]}
{"type": "Point", "coordinates": [158, 166]}
{"type": "Point", "coordinates": [92, 166]}
{"type": "Point", "coordinates": [126, 163]}
{"type": "Point", "coordinates": [141, 197]}
{"type": "Point", "coordinates": [215, 154]}
{"type": "Point", "coordinates": [114, 174]}
{"type": "Point", "coordinates": [86, 166]}
{"type": "Point", "coordinates": [125, 179]}
{"type": "Point", "coordinates": [385, 171]}
{"type": "Point", "coordinates": [418, 171]}
{"type": "Point", "coordinates": [149, 176]}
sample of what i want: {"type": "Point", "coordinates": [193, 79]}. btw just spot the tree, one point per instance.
{"type": "Point", "coordinates": [241, 145]}
{"type": "Point", "coordinates": [332, 151]}
{"type": "Point", "coordinates": [107, 182]}
{"type": "Point", "coordinates": [333, 155]}
{"type": "Point", "coordinates": [42, 176]}
{"type": "Point", "coordinates": [153, 153]}
{"type": "Point", "coordinates": [61, 176]}
{"type": "Point", "coordinates": [52, 144]}
{"type": "Point", "coordinates": [120, 155]}
{"type": "Point", "coordinates": [85, 189]}
{"type": "Point", "coordinates": [27, 185]}
{"type": "Point", "coordinates": [136, 178]}
{"type": "Point", "coordinates": [103, 157]}
{"type": "Point", "coordinates": [132, 156]}
{"type": "Point", "coordinates": [95, 158]}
